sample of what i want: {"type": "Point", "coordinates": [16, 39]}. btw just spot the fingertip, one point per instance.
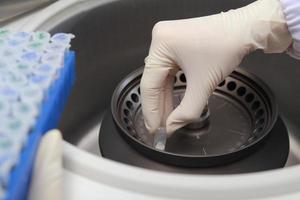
{"type": "Point", "coordinates": [151, 127]}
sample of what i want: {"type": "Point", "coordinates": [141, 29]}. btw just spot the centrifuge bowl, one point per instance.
{"type": "Point", "coordinates": [112, 39]}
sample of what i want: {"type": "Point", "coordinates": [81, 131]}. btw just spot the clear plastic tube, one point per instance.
{"type": "Point", "coordinates": [17, 128]}
{"type": "Point", "coordinates": [4, 33]}
{"type": "Point", "coordinates": [8, 93]}
{"type": "Point", "coordinates": [53, 59]}
{"type": "Point", "coordinates": [57, 47]}
{"type": "Point", "coordinates": [64, 38]}
{"type": "Point", "coordinates": [40, 36]}
{"type": "Point", "coordinates": [32, 57]}
{"type": "Point", "coordinates": [23, 67]}
{"type": "Point", "coordinates": [45, 70]}
{"type": "Point", "coordinates": [160, 139]}
{"type": "Point", "coordinates": [24, 109]}
{"type": "Point", "coordinates": [21, 36]}
{"type": "Point", "coordinates": [4, 108]}
{"type": "Point", "coordinates": [42, 81]}
{"type": "Point", "coordinates": [15, 79]}
{"type": "Point", "coordinates": [32, 93]}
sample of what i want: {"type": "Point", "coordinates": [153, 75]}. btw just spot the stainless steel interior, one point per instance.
{"type": "Point", "coordinates": [10, 9]}
{"type": "Point", "coordinates": [112, 39]}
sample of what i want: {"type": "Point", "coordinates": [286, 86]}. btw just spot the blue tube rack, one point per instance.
{"type": "Point", "coordinates": [50, 112]}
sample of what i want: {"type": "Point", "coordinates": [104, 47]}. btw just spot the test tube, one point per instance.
{"type": "Point", "coordinates": [21, 36]}
{"type": "Point", "coordinates": [64, 38]}
{"type": "Point", "coordinates": [41, 80]}
{"type": "Point", "coordinates": [57, 47]}
{"type": "Point", "coordinates": [31, 57]}
{"type": "Point", "coordinates": [4, 33]}
{"type": "Point", "coordinates": [41, 36]}
{"type": "Point", "coordinates": [8, 156]}
{"type": "Point", "coordinates": [45, 70]}
{"type": "Point", "coordinates": [4, 108]}
{"type": "Point", "coordinates": [32, 93]}
{"type": "Point", "coordinates": [10, 53]}
{"type": "Point", "coordinates": [6, 164]}
{"type": "Point", "coordinates": [3, 65]}
{"type": "Point", "coordinates": [16, 44]}
{"type": "Point", "coordinates": [35, 46]}
{"type": "Point", "coordinates": [160, 139]}
{"type": "Point", "coordinates": [15, 79]}
{"type": "Point", "coordinates": [54, 59]}
{"type": "Point", "coordinates": [17, 128]}
{"type": "Point", "coordinates": [24, 109]}
{"type": "Point", "coordinates": [2, 43]}
{"type": "Point", "coordinates": [8, 93]}
{"type": "Point", "coordinates": [23, 67]}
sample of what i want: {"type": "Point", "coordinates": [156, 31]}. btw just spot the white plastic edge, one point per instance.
{"type": "Point", "coordinates": [269, 184]}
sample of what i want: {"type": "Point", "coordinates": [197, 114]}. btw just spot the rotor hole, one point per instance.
{"type": "Point", "coordinates": [182, 78]}
{"type": "Point", "coordinates": [231, 86]}
{"type": "Point", "coordinates": [255, 105]}
{"type": "Point", "coordinates": [126, 112]}
{"type": "Point", "coordinates": [260, 122]}
{"type": "Point", "coordinates": [259, 129]}
{"type": "Point", "coordinates": [259, 113]}
{"type": "Point", "coordinates": [135, 97]}
{"type": "Point", "coordinates": [126, 120]}
{"type": "Point", "coordinates": [241, 91]}
{"type": "Point", "coordinates": [222, 83]}
{"type": "Point", "coordinates": [249, 97]}
{"type": "Point", "coordinates": [129, 105]}
{"type": "Point", "coordinates": [129, 128]}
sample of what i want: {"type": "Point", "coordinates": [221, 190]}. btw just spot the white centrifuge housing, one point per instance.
{"type": "Point", "coordinates": [112, 39]}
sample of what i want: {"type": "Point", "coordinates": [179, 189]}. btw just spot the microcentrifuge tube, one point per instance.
{"type": "Point", "coordinates": [64, 38]}
{"type": "Point", "coordinates": [24, 109]}
{"type": "Point", "coordinates": [30, 57]}
{"type": "Point", "coordinates": [57, 47]}
{"type": "Point", "coordinates": [32, 93]}
{"type": "Point", "coordinates": [41, 36]}
{"type": "Point", "coordinates": [15, 79]}
{"type": "Point", "coordinates": [8, 93]}
{"type": "Point", "coordinates": [4, 33]}
{"type": "Point", "coordinates": [23, 67]}
{"type": "Point", "coordinates": [4, 108]}
{"type": "Point", "coordinates": [41, 80]}
{"type": "Point", "coordinates": [45, 70]}
{"type": "Point", "coordinates": [35, 46]}
{"type": "Point", "coordinates": [54, 59]}
{"type": "Point", "coordinates": [21, 36]}
{"type": "Point", "coordinates": [160, 139]}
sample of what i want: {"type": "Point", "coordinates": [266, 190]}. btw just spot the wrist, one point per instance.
{"type": "Point", "coordinates": [262, 25]}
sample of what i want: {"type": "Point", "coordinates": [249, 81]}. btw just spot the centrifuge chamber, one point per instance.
{"type": "Point", "coordinates": [112, 39]}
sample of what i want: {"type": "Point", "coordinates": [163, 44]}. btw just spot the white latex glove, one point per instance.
{"type": "Point", "coordinates": [207, 49]}
{"type": "Point", "coordinates": [47, 178]}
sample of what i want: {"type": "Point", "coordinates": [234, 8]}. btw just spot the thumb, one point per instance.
{"type": "Point", "coordinates": [47, 180]}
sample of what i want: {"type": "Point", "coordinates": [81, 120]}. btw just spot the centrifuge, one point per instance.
{"type": "Point", "coordinates": [107, 152]}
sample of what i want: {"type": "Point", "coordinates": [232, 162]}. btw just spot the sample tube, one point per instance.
{"type": "Point", "coordinates": [64, 38]}
{"type": "Point", "coordinates": [32, 93]}
{"type": "Point", "coordinates": [160, 139]}
{"type": "Point", "coordinates": [4, 108]}
{"type": "Point", "coordinates": [8, 93]}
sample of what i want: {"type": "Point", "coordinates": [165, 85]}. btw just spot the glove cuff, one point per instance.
{"type": "Point", "coordinates": [268, 27]}
{"type": "Point", "coordinates": [291, 10]}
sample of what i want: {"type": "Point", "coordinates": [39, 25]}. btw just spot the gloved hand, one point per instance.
{"type": "Point", "coordinates": [207, 49]}
{"type": "Point", "coordinates": [47, 177]}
